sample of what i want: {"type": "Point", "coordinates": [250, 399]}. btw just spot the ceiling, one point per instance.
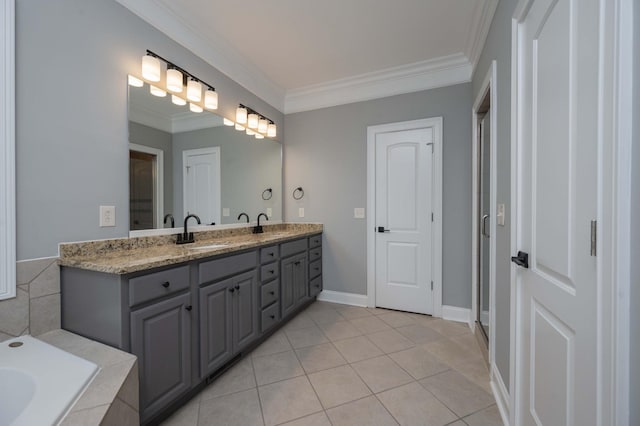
{"type": "Point", "coordinates": [301, 55]}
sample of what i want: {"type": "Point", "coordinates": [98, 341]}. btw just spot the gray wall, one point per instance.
{"type": "Point", "coordinates": [154, 138]}
{"type": "Point", "coordinates": [325, 152]}
{"type": "Point", "coordinates": [498, 47]}
{"type": "Point", "coordinates": [72, 61]}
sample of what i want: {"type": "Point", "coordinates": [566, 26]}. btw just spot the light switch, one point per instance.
{"type": "Point", "coordinates": [107, 216]}
{"type": "Point", "coordinates": [301, 212]}
{"type": "Point", "coordinates": [500, 214]}
{"type": "Point", "coordinates": [358, 213]}
{"type": "Point", "coordinates": [269, 211]}
{"type": "Point", "coordinates": [225, 212]}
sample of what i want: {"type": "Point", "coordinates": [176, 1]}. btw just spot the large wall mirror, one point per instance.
{"type": "Point", "coordinates": [183, 162]}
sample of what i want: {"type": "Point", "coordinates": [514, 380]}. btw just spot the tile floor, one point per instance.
{"type": "Point", "coordinates": [343, 365]}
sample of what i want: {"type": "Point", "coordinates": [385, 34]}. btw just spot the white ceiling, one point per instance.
{"type": "Point", "coordinates": [300, 55]}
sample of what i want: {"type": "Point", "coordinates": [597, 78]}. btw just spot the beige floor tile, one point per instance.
{"type": "Point", "coordinates": [467, 341]}
{"type": "Point", "coordinates": [320, 357]}
{"type": "Point", "coordinates": [277, 343]}
{"type": "Point", "coordinates": [370, 324]}
{"type": "Point", "coordinates": [304, 337]}
{"type": "Point", "coordinates": [241, 409]}
{"type": "Point", "coordinates": [379, 311]}
{"type": "Point", "coordinates": [239, 378]}
{"type": "Point", "coordinates": [288, 400]}
{"type": "Point", "coordinates": [457, 423]}
{"type": "Point", "coordinates": [318, 419]}
{"type": "Point", "coordinates": [353, 312]}
{"type": "Point", "coordinates": [338, 386]}
{"type": "Point", "coordinates": [276, 367]}
{"type": "Point", "coordinates": [488, 417]}
{"type": "Point", "coordinates": [187, 415]}
{"type": "Point", "coordinates": [326, 316]}
{"type": "Point", "coordinates": [449, 351]}
{"type": "Point", "coordinates": [418, 362]}
{"type": "Point", "coordinates": [449, 328]}
{"type": "Point", "coordinates": [475, 369]}
{"type": "Point", "coordinates": [459, 394]}
{"type": "Point", "coordinates": [419, 334]}
{"type": "Point", "coordinates": [381, 373]}
{"type": "Point", "coordinates": [396, 319]}
{"type": "Point", "coordinates": [339, 330]}
{"type": "Point", "coordinates": [302, 320]}
{"type": "Point", "coordinates": [390, 341]}
{"type": "Point", "coordinates": [357, 349]}
{"type": "Point", "coordinates": [364, 412]}
{"type": "Point", "coordinates": [411, 404]}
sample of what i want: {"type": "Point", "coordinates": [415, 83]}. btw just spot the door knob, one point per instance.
{"type": "Point", "coordinates": [522, 259]}
{"type": "Point", "coordinates": [381, 229]}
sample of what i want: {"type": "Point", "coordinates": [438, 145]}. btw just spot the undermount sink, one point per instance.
{"type": "Point", "coordinates": [209, 247]}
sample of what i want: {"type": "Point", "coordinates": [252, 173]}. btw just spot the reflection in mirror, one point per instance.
{"type": "Point", "coordinates": [182, 162]}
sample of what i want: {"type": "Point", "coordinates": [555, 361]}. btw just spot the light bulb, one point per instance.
{"type": "Point", "coordinates": [241, 115]}
{"type": "Point", "coordinates": [259, 136]}
{"type": "Point", "coordinates": [211, 99]}
{"type": "Point", "coordinates": [135, 82]}
{"type": "Point", "coordinates": [150, 68]}
{"type": "Point", "coordinates": [174, 80]}
{"type": "Point", "coordinates": [239, 127]}
{"type": "Point", "coordinates": [178, 100]}
{"type": "Point", "coordinates": [227, 122]}
{"type": "Point", "coordinates": [195, 107]}
{"type": "Point", "coordinates": [250, 132]}
{"type": "Point", "coordinates": [263, 125]}
{"type": "Point", "coordinates": [155, 91]}
{"type": "Point", "coordinates": [271, 130]}
{"type": "Point", "coordinates": [194, 90]}
{"type": "Point", "coordinates": [252, 121]}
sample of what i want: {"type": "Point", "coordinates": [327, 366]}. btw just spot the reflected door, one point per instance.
{"type": "Point", "coordinates": [485, 220]}
{"type": "Point", "coordinates": [142, 203]}
{"type": "Point", "coordinates": [202, 184]}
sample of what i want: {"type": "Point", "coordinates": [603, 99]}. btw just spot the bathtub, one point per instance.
{"type": "Point", "coordinates": [39, 383]}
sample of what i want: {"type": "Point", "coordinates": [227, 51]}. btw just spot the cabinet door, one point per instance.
{"type": "Point", "coordinates": [245, 307]}
{"type": "Point", "coordinates": [216, 305]}
{"type": "Point", "coordinates": [301, 284]}
{"type": "Point", "coordinates": [161, 339]}
{"type": "Point", "coordinates": [287, 299]}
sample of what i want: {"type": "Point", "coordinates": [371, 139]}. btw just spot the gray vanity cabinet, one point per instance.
{"type": "Point", "coordinates": [216, 340]}
{"type": "Point", "coordinates": [294, 282]}
{"type": "Point", "coordinates": [315, 265]}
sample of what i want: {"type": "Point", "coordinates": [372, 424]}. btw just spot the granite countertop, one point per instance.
{"type": "Point", "coordinates": [127, 255]}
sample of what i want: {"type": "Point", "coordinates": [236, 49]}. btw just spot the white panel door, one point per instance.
{"type": "Point", "coordinates": [404, 181]}
{"type": "Point", "coordinates": [202, 184]}
{"type": "Point", "coordinates": [557, 137]}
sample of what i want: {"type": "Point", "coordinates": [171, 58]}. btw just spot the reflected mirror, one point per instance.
{"type": "Point", "coordinates": [183, 162]}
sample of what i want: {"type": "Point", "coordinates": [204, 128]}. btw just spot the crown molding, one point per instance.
{"type": "Point", "coordinates": [189, 121]}
{"type": "Point", "coordinates": [430, 74]}
{"type": "Point", "coordinates": [481, 23]}
{"type": "Point", "coordinates": [214, 52]}
{"type": "Point", "coordinates": [150, 118]}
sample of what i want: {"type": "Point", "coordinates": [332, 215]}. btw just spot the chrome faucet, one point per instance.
{"type": "Point", "coordinates": [245, 215]}
{"type": "Point", "coordinates": [258, 229]}
{"type": "Point", "coordinates": [170, 216]}
{"type": "Point", "coordinates": [187, 237]}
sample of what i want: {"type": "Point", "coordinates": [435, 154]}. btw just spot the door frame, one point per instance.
{"type": "Point", "coordinates": [436, 272]}
{"type": "Point", "coordinates": [615, 112]}
{"type": "Point", "coordinates": [488, 85]}
{"type": "Point", "coordinates": [199, 151]}
{"type": "Point", "coordinates": [159, 181]}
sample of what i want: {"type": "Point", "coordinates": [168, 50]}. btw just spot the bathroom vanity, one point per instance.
{"type": "Point", "coordinates": [188, 313]}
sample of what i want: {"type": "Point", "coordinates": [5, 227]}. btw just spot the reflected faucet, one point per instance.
{"type": "Point", "coordinates": [245, 215]}
{"type": "Point", "coordinates": [170, 216]}
{"type": "Point", "coordinates": [258, 229]}
{"type": "Point", "coordinates": [187, 237]}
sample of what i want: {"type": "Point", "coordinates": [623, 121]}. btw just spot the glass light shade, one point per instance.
{"type": "Point", "coordinates": [239, 127]}
{"type": "Point", "coordinates": [259, 136]}
{"type": "Point", "coordinates": [263, 125]}
{"type": "Point", "coordinates": [174, 81]}
{"type": "Point", "coordinates": [194, 91]}
{"type": "Point", "coordinates": [252, 121]}
{"type": "Point", "coordinates": [135, 82]}
{"type": "Point", "coordinates": [227, 122]}
{"type": "Point", "coordinates": [241, 115]}
{"type": "Point", "coordinates": [250, 132]}
{"type": "Point", "coordinates": [271, 130]}
{"type": "Point", "coordinates": [195, 108]}
{"type": "Point", "coordinates": [211, 99]}
{"type": "Point", "coordinates": [178, 100]}
{"type": "Point", "coordinates": [155, 91]}
{"type": "Point", "coordinates": [150, 68]}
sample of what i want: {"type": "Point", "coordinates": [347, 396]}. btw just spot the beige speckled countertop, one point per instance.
{"type": "Point", "coordinates": [127, 255]}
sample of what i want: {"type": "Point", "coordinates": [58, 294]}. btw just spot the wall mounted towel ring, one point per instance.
{"type": "Point", "coordinates": [267, 194]}
{"type": "Point", "coordinates": [298, 193]}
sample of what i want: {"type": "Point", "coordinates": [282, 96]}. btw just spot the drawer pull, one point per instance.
{"type": "Point", "coordinates": [237, 287]}
{"type": "Point", "coordinates": [166, 284]}
{"type": "Point", "coordinates": [272, 254]}
{"type": "Point", "coordinates": [271, 271]}
{"type": "Point", "coordinates": [316, 269]}
{"type": "Point", "coordinates": [272, 293]}
{"type": "Point", "coordinates": [272, 316]}
{"type": "Point", "coordinates": [296, 263]}
{"type": "Point", "coordinates": [188, 308]}
{"type": "Point", "coordinates": [231, 290]}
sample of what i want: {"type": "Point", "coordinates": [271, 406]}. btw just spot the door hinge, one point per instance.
{"type": "Point", "coordinates": [431, 285]}
{"type": "Point", "coordinates": [594, 237]}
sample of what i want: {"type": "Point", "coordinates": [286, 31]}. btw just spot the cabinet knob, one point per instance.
{"type": "Point", "coordinates": [166, 284]}
{"type": "Point", "coordinates": [271, 271]}
{"type": "Point", "coordinates": [231, 290]}
{"type": "Point", "coordinates": [272, 293]}
{"type": "Point", "coordinates": [296, 263]}
{"type": "Point", "coordinates": [237, 287]}
{"type": "Point", "coordinates": [316, 269]}
{"type": "Point", "coordinates": [188, 308]}
{"type": "Point", "coordinates": [272, 254]}
{"type": "Point", "coordinates": [272, 316]}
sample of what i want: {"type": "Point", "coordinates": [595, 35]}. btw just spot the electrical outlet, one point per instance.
{"type": "Point", "coordinates": [107, 216]}
{"type": "Point", "coordinates": [225, 212]}
{"type": "Point", "coordinates": [301, 212]}
{"type": "Point", "coordinates": [269, 211]}
{"type": "Point", "coordinates": [358, 213]}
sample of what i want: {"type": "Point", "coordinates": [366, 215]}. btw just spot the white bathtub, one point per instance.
{"type": "Point", "coordinates": [38, 382]}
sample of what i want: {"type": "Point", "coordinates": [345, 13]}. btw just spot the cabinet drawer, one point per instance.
{"type": "Point", "coordinates": [268, 254]}
{"type": "Point", "coordinates": [315, 286]}
{"type": "Point", "coordinates": [270, 293]}
{"type": "Point", "coordinates": [315, 240]}
{"type": "Point", "coordinates": [218, 268]}
{"type": "Point", "coordinates": [158, 284]}
{"type": "Point", "coordinates": [315, 268]}
{"type": "Point", "coordinates": [315, 253]}
{"type": "Point", "coordinates": [270, 316]}
{"type": "Point", "coordinates": [293, 247]}
{"type": "Point", "coordinates": [269, 271]}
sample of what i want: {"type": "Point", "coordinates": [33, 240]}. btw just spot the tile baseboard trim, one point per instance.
{"type": "Point", "coordinates": [454, 313]}
{"type": "Point", "coordinates": [343, 298]}
{"type": "Point", "coordinates": [500, 394]}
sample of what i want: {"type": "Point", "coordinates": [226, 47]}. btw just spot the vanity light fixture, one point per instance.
{"type": "Point", "coordinates": [151, 67]}
{"type": "Point", "coordinates": [211, 99]}
{"type": "Point", "coordinates": [177, 100]}
{"type": "Point", "coordinates": [135, 82]}
{"type": "Point", "coordinates": [263, 124]}
{"type": "Point", "coordinates": [241, 115]}
{"type": "Point", "coordinates": [227, 122]}
{"type": "Point", "coordinates": [156, 91]}
{"type": "Point", "coordinates": [194, 90]}
{"type": "Point", "coordinates": [259, 123]}
{"type": "Point", "coordinates": [174, 80]}
{"type": "Point", "coordinates": [252, 120]}
{"type": "Point", "coordinates": [271, 130]}
{"type": "Point", "coordinates": [195, 107]}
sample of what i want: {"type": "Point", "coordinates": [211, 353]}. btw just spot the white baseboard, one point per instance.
{"type": "Point", "coordinates": [453, 313]}
{"type": "Point", "coordinates": [343, 298]}
{"type": "Point", "coordinates": [500, 394]}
